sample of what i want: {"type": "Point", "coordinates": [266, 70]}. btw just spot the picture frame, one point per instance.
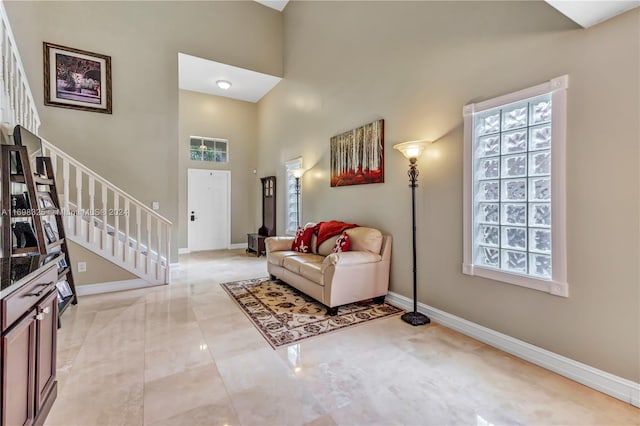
{"type": "Point", "coordinates": [76, 79]}
{"type": "Point", "coordinates": [357, 156]}
{"type": "Point", "coordinates": [64, 289]}
{"type": "Point", "coordinates": [46, 202]}
{"type": "Point", "coordinates": [48, 232]}
{"type": "Point", "coordinates": [62, 264]}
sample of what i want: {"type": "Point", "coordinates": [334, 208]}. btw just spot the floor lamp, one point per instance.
{"type": "Point", "coordinates": [297, 174]}
{"type": "Point", "coordinates": [412, 151]}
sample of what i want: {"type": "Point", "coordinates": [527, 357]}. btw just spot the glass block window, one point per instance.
{"type": "Point", "coordinates": [292, 206]}
{"type": "Point", "coordinates": [512, 202]}
{"type": "Point", "coordinates": [208, 149]}
{"type": "Point", "coordinates": [510, 180]}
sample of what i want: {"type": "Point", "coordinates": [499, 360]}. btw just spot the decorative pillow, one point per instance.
{"type": "Point", "coordinates": [342, 244]}
{"type": "Point", "coordinates": [302, 242]}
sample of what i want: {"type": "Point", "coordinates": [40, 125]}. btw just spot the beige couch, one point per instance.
{"type": "Point", "coordinates": [335, 279]}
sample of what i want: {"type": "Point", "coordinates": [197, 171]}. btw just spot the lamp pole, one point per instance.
{"type": "Point", "coordinates": [297, 174]}
{"type": "Point", "coordinates": [415, 317]}
{"type": "Point", "coordinates": [297, 202]}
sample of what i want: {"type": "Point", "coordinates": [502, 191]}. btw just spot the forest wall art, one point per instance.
{"type": "Point", "coordinates": [357, 156]}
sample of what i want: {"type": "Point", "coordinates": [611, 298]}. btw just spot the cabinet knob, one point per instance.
{"type": "Point", "coordinates": [40, 317]}
{"type": "Point", "coordinates": [46, 310]}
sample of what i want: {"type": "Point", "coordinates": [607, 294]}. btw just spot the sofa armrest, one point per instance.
{"type": "Point", "coordinates": [278, 243]}
{"type": "Point", "coordinates": [350, 258]}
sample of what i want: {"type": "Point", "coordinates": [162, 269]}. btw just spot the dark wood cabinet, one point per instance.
{"type": "Point", "coordinates": [29, 313]}
{"type": "Point", "coordinates": [46, 334]}
{"type": "Point", "coordinates": [255, 244]}
{"type": "Point", "coordinates": [18, 372]}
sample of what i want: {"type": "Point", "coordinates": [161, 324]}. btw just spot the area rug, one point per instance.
{"type": "Point", "coordinates": [284, 315]}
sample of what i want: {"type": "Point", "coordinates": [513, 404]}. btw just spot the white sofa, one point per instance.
{"type": "Point", "coordinates": [335, 279]}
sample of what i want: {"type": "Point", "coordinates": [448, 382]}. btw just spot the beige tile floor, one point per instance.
{"type": "Point", "coordinates": [185, 354]}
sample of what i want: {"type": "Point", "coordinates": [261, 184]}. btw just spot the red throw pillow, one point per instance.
{"type": "Point", "coordinates": [343, 243]}
{"type": "Point", "coordinates": [302, 242]}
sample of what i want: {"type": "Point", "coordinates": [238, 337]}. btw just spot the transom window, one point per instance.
{"type": "Point", "coordinates": [209, 149]}
{"type": "Point", "coordinates": [514, 188]}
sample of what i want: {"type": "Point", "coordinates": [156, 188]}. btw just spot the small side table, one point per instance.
{"type": "Point", "coordinates": [255, 244]}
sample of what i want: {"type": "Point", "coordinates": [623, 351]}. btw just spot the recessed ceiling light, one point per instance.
{"type": "Point", "coordinates": [223, 84]}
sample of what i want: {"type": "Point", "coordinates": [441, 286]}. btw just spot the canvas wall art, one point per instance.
{"type": "Point", "coordinates": [76, 79]}
{"type": "Point", "coordinates": [357, 156]}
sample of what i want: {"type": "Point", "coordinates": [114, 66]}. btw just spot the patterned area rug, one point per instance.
{"type": "Point", "coordinates": [284, 315]}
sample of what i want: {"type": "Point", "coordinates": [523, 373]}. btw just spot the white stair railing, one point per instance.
{"type": "Point", "coordinates": [100, 215]}
{"type": "Point", "coordinates": [105, 228]}
{"type": "Point", "coordinates": [16, 101]}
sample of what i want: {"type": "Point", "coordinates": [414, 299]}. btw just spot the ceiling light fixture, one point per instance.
{"type": "Point", "coordinates": [223, 84]}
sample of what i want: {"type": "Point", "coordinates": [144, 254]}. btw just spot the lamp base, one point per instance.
{"type": "Point", "coordinates": [415, 318]}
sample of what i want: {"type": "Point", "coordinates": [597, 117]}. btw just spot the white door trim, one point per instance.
{"type": "Point", "coordinates": [228, 236]}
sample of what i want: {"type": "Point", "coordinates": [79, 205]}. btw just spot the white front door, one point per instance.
{"type": "Point", "coordinates": [208, 201]}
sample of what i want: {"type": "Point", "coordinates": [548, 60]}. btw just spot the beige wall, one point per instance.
{"type": "Point", "coordinates": [137, 146]}
{"type": "Point", "coordinates": [416, 64]}
{"type": "Point", "coordinates": [236, 121]}
{"type": "Point", "coordinates": [98, 270]}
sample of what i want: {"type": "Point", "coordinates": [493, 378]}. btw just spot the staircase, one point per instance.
{"type": "Point", "coordinates": [99, 216]}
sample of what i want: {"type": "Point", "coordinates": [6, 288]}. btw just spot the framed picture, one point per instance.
{"type": "Point", "coordinates": [77, 79]}
{"type": "Point", "coordinates": [64, 289]}
{"type": "Point", "coordinates": [48, 231]}
{"type": "Point", "coordinates": [46, 202]}
{"type": "Point", "coordinates": [357, 156]}
{"type": "Point", "coordinates": [62, 263]}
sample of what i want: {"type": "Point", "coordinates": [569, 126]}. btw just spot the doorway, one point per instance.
{"type": "Point", "coordinates": [209, 209]}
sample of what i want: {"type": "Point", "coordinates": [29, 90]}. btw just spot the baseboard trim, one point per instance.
{"type": "Point", "coordinates": [111, 286]}
{"type": "Point", "coordinates": [237, 246]}
{"type": "Point", "coordinates": [612, 385]}
{"type": "Point", "coordinates": [184, 250]}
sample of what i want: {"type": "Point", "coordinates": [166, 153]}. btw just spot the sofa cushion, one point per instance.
{"type": "Point", "coordinates": [302, 242]}
{"type": "Point", "coordinates": [312, 271]}
{"type": "Point", "coordinates": [365, 239]}
{"type": "Point", "coordinates": [292, 263]}
{"type": "Point", "coordinates": [277, 257]}
{"type": "Point", "coordinates": [342, 244]}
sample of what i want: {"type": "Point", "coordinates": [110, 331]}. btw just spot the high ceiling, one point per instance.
{"type": "Point", "coordinates": [589, 13]}
{"type": "Point", "coordinates": [278, 5]}
{"type": "Point", "coordinates": [200, 75]}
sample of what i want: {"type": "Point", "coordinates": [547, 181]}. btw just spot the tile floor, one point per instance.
{"type": "Point", "coordinates": [184, 354]}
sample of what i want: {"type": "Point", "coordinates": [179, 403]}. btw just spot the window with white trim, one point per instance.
{"type": "Point", "coordinates": [292, 206]}
{"type": "Point", "coordinates": [514, 188]}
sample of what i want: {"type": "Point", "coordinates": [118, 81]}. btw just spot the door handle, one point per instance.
{"type": "Point", "coordinates": [193, 216]}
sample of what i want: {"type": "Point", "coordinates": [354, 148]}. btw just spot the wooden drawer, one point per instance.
{"type": "Point", "coordinates": [20, 301]}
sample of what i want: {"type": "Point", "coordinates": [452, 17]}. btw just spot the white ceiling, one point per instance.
{"type": "Point", "coordinates": [278, 5]}
{"type": "Point", "coordinates": [200, 75]}
{"type": "Point", "coordinates": [590, 12]}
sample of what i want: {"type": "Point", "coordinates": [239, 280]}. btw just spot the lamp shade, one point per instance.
{"type": "Point", "coordinates": [297, 173]}
{"type": "Point", "coordinates": [411, 149]}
